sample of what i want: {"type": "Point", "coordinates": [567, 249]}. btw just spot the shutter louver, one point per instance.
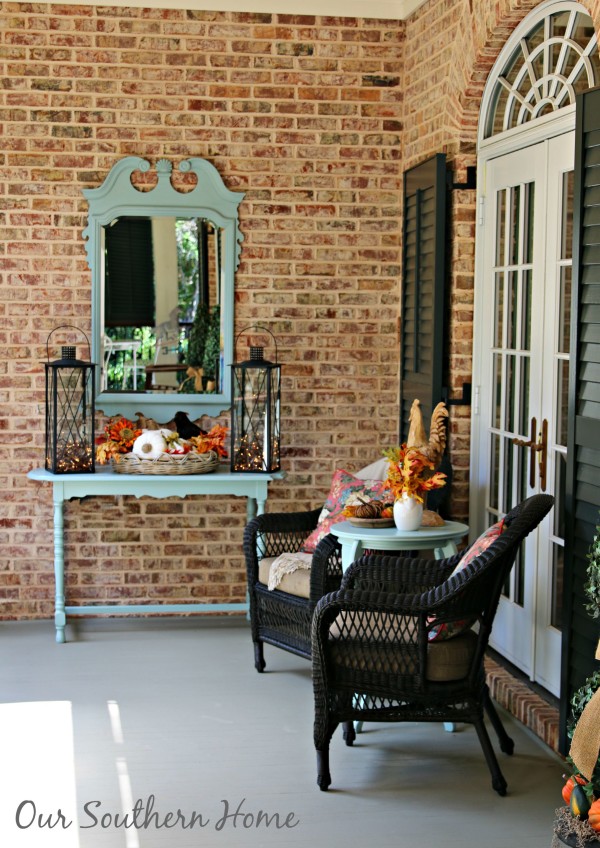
{"type": "Point", "coordinates": [129, 285]}
{"type": "Point", "coordinates": [582, 504]}
{"type": "Point", "coordinates": [423, 286]}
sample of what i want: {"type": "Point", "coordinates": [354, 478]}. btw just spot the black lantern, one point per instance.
{"type": "Point", "coordinates": [69, 412]}
{"type": "Point", "coordinates": [255, 393]}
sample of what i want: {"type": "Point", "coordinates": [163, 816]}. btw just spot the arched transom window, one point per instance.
{"type": "Point", "coordinates": [555, 59]}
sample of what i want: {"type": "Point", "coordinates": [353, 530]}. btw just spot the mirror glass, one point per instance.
{"type": "Point", "coordinates": [162, 290]}
{"type": "Point", "coordinates": [163, 264]}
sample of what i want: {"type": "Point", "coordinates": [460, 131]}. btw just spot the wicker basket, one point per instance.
{"type": "Point", "coordinates": [168, 463]}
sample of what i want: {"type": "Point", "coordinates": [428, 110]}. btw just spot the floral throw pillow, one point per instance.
{"type": "Point", "coordinates": [448, 629]}
{"type": "Point", "coordinates": [345, 491]}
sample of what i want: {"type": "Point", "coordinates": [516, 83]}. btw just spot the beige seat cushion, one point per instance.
{"type": "Point", "coordinates": [381, 637]}
{"type": "Point", "coordinates": [451, 658]}
{"type": "Point", "coordinates": [297, 583]}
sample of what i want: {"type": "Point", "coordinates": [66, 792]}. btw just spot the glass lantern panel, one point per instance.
{"type": "Point", "coordinates": [255, 419]}
{"type": "Point", "coordinates": [69, 420]}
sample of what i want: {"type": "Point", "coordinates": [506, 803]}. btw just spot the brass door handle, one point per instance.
{"type": "Point", "coordinates": [538, 445]}
{"type": "Point", "coordinates": [542, 447]}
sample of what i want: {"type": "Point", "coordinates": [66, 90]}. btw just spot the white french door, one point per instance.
{"type": "Point", "coordinates": [521, 374]}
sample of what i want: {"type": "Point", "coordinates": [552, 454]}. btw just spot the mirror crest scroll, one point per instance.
{"type": "Point", "coordinates": [163, 267]}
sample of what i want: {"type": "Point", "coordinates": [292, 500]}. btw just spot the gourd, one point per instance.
{"type": "Point", "coordinates": [368, 510]}
{"type": "Point", "coordinates": [579, 803]}
{"type": "Point", "coordinates": [594, 816]}
{"type": "Point", "coordinates": [569, 786]}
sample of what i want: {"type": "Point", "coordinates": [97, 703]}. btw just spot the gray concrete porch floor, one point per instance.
{"type": "Point", "coordinates": [172, 713]}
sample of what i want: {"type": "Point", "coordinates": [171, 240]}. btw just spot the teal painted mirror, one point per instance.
{"type": "Point", "coordinates": [163, 267]}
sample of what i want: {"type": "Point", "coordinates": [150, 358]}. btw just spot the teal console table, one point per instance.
{"type": "Point", "coordinates": [252, 486]}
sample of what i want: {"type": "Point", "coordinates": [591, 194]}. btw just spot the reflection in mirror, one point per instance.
{"type": "Point", "coordinates": [163, 289]}
{"type": "Point", "coordinates": [163, 261]}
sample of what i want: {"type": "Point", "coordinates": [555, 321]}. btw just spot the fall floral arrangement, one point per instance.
{"type": "Point", "coordinates": [122, 436]}
{"type": "Point", "coordinates": [411, 474]}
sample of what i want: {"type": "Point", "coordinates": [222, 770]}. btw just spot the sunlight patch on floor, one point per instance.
{"type": "Point", "coordinates": [38, 775]}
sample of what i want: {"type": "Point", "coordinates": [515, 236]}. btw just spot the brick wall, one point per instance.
{"type": "Point", "coordinates": [301, 113]}
{"type": "Point", "coordinates": [315, 119]}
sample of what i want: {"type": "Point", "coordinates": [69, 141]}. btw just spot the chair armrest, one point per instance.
{"type": "Point", "coordinates": [401, 575]}
{"type": "Point", "coordinates": [326, 568]}
{"type": "Point", "coordinates": [274, 533]}
{"type": "Point", "coordinates": [347, 622]}
{"type": "Point", "coordinates": [418, 611]}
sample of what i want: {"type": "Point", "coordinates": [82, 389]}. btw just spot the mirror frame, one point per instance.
{"type": "Point", "coordinates": [210, 198]}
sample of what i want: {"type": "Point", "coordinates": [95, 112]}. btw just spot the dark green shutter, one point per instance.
{"type": "Point", "coordinates": [129, 274]}
{"type": "Point", "coordinates": [582, 502]}
{"type": "Point", "coordinates": [423, 287]}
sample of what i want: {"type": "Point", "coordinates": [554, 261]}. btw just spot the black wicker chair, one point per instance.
{"type": "Point", "coordinates": [373, 661]}
{"type": "Point", "coordinates": [276, 616]}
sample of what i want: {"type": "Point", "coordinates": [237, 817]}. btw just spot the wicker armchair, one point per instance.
{"type": "Point", "coordinates": [372, 656]}
{"type": "Point", "coordinates": [279, 617]}
{"type": "Point", "coordinates": [282, 617]}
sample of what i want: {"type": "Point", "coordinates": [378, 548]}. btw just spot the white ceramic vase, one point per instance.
{"type": "Point", "coordinates": [408, 513]}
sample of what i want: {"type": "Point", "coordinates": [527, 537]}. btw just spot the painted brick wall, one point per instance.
{"type": "Point", "coordinates": [301, 113]}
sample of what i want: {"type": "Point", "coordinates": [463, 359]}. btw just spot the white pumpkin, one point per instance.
{"type": "Point", "coordinates": [150, 445]}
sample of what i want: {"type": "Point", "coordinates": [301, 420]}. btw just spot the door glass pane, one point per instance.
{"type": "Point", "coordinates": [515, 216]}
{"type": "Point", "coordinates": [512, 314]}
{"type": "Point", "coordinates": [497, 396]}
{"type": "Point", "coordinates": [499, 309]}
{"type": "Point", "coordinates": [500, 226]}
{"type": "Point", "coordinates": [523, 473]}
{"type": "Point", "coordinates": [526, 311]}
{"type": "Point", "coordinates": [508, 476]}
{"type": "Point", "coordinates": [564, 325]}
{"type": "Point", "coordinates": [558, 563]}
{"type": "Point", "coordinates": [559, 494]}
{"type": "Point", "coordinates": [494, 471]}
{"type": "Point", "coordinates": [524, 417]}
{"type": "Point", "coordinates": [529, 201]}
{"type": "Point", "coordinates": [566, 251]}
{"type": "Point", "coordinates": [519, 572]}
{"type": "Point", "coordinates": [509, 409]}
{"type": "Point", "coordinates": [562, 401]}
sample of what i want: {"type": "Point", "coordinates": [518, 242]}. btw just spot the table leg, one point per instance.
{"type": "Point", "coordinates": [448, 549]}
{"type": "Point", "coordinates": [251, 508]}
{"type": "Point", "coordinates": [351, 550]}
{"type": "Point", "coordinates": [60, 618]}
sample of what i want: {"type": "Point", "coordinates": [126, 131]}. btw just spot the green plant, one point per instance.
{"type": "Point", "coordinates": [198, 336]}
{"type": "Point", "coordinates": [592, 586]}
{"type": "Point", "coordinates": [212, 349]}
{"type": "Point", "coordinates": [584, 695]}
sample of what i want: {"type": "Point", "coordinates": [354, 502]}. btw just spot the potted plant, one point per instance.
{"type": "Point", "coordinates": [578, 824]}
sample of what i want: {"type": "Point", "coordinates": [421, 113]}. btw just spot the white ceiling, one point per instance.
{"type": "Point", "coordinates": [382, 9]}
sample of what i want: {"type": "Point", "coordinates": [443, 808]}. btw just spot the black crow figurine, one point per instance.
{"type": "Point", "coordinates": [187, 428]}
